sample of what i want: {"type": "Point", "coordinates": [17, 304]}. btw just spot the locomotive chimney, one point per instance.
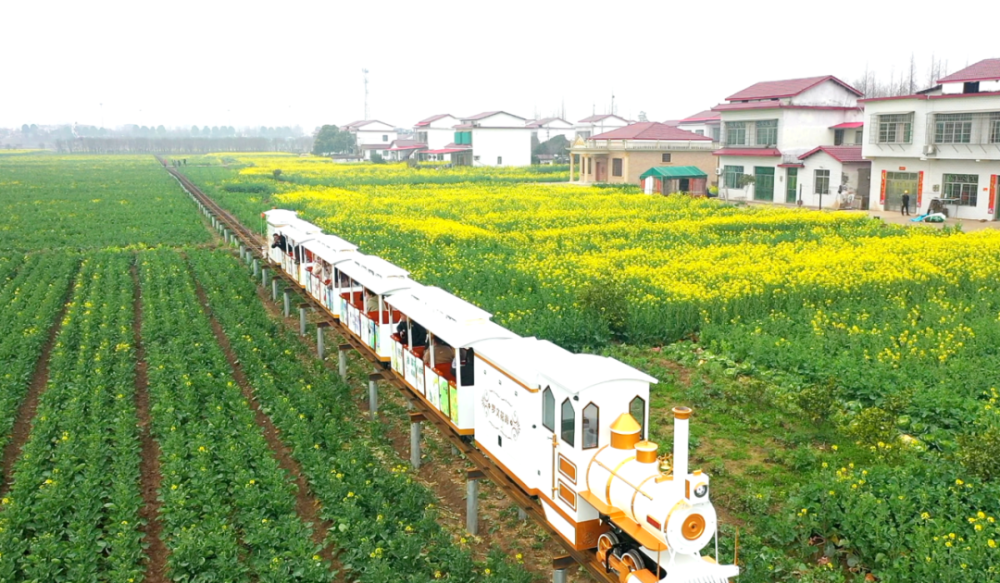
{"type": "Point", "coordinates": [681, 415]}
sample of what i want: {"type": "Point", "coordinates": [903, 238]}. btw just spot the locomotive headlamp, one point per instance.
{"type": "Point", "coordinates": [701, 491]}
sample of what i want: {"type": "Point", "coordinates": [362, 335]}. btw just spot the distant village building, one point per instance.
{"type": "Point", "coordinates": [549, 127]}
{"type": "Point", "coordinates": [598, 124]}
{"type": "Point", "coordinates": [704, 123]}
{"type": "Point", "coordinates": [438, 133]}
{"type": "Point", "coordinates": [768, 128]}
{"type": "Point", "coordinates": [492, 138]}
{"type": "Point", "coordinates": [403, 149]}
{"type": "Point", "coordinates": [371, 136]}
{"type": "Point", "coordinates": [622, 155]}
{"type": "Point", "coordinates": [942, 143]}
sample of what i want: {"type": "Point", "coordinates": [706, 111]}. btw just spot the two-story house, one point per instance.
{"type": "Point", "coordinates": [371, 136]}
{"type": "Point", "coordinates": [492, 138]}
{"type": "Point", "coordinates": [624, 154]}
{"type": "Point", "coordinates": [437, 132]}
{"type": "Point", "coordinates": [704, 123]}
{"type": "Point", "coordinates": [546, 128]}
{"type": "Point", "coordinates": [943, 142]}
{"type": "Point", "coordinates": [598, 124]}
{"type": "Point", "coordinates": [768, 126]}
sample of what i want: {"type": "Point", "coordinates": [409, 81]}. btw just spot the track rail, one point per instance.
{"type": "Point", "coordinates": [587, 559]}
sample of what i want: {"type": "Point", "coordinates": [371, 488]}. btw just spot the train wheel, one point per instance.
{"type": "Point", "coordinates": [633, 560]}
{"type": "Point", "coordinates": [606, 541]}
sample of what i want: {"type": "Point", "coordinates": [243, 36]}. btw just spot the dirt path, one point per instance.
{"type": "Point", "coordinates": [29, 406]}
{"type": "Point", "coordinates": [306, 504]}
{"type": "Point", "coordinates": [149, 464]}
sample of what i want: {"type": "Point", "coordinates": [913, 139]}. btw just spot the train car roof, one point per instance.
{"type": "Point", "coordinates": [279, 217]}
{"type": "Point", "coordinates": [331, 248]}
{"type": "Point", "coordinates": [448, 317]}
{"type": "Point", "coordinates": [300, 231]}
{"type": "Point", "coordinates": [539, 363]}
{"type": "Point", "coordinates": [377, 274]}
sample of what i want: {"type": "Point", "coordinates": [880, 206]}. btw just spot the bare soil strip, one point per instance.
{"type": "Point", "coordinates": [29, 406]}
{"type": "Point", "coordinates": [306, 504]}
{"type": "Point", "coordinates": [149, 465]}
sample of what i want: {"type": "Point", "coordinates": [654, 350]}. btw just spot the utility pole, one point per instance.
{"type": "Point", "coordinates": [365, 71]}
{"type": "Point", "coordinates": [612, 103]}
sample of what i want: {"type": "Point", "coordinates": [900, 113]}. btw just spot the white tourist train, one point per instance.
{"type": "Point", "coordinates": [569, 429]}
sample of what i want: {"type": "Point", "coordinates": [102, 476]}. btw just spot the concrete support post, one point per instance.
{"type": "Point", "coordinates": [302, 321]}
{"type": "Point", "coordinates": [342, 360]}
{"type": "Point", "coordinates": [263, 275]}
{"type": "Point", "coordinates": [560, 565]}
{"type": "Point", "coordinates": [243, 252]}
{"type": "Point", "coordinates": [319, 342]}
{"type": "Point", "coordinates": [373, 393]}
{"type": "Point", "coordinates": [472, 501]}
{"type": "Point", "coordinates": [288, 302]}
{"type": "Point", "coordinates": [559, 576]}
{"type": "Point", "coordinates": [454, 451]}
{"type": "Point", "coordinates": [274, 290]}
{"type": "Point", "coordinates": [521, 514]}
{"type": "Point", "coordinates": [415, 440]}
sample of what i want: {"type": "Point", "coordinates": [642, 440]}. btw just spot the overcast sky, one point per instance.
{"type": "Point", "coordinates": [212, 62]}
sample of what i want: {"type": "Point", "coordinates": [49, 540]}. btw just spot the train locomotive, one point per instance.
{"type": "Point", "coordinates": [569, 429]}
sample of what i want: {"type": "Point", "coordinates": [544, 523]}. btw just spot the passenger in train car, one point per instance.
{"type": "Point", "coordinates": [465, 357]}
{"type": "Point", "coordinates": [371, 303]}
{"type": "Point", "coordinates": [278, 241]}
{"type": "Point", "coordinates": [443, 352]}
{"type": "Point", "coordinates": [419, 334]}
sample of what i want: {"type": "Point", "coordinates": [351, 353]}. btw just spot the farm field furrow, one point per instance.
{"type": "Point", "coordinates": [72, 512]}
{"type": "Point", "coordinates": [382, 521]}
{"type": "Point", "coordinates": [29, 302]}
{"type": "Point", "coordinates": [228, 511]}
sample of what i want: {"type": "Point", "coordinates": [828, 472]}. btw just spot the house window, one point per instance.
{"type": "Point", "coordinates": [896, 128]}
{"type": "Point", "coordinates": [995, 128]}
{"type": "Point", "coordinates": [591, 417]}
{"type": "Point", "coordinates": [716, 130]}
{"type": "Point", "coordinates": [700, 132]}
{"type": "Point", "coordinates": [665, 157]}
{"type": "Point", "coordinates": [637, 409]}
{"type": "Point", "coordinates": [838, 137]}
{"type": "Point", "coordinates": [858, 136]}
{"type": "Point", "coordinates": [952, 128]}
{"type": "Point", "coordinates": [962, 187]}
{"type": "Point", "coordinates": [385, 138]}
{"type": "Point", "coordinates": [616, 166]}
{"type": "Point", "coordinates": [731, 176]}
{"type": "Point", "coordinates": [736, 133]}
{"type": "Point", "coordinates": [767, 132]}
{"type": "Point", "coordinates": [499, 160]}
{"type": "Point", "coordinates": [548, 409]}
{"type": "Point", "coordinates": [568, 423]}
{"type": "Point", "coordinates": [822, 182]}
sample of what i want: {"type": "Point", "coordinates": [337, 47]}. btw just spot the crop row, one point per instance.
{"type": "Point", "coordinates": [72, 512]}
{"type": "Point", "coordinates": [384, 522]}
{"type": "Point", "coordinates": [228, 509]}
{"type": "Point", "coordinates": [29, 302]}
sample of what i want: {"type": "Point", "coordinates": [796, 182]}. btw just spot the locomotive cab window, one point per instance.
{"type": "Point", "coordinates": [548, 409]}
{"type": "Point", "coordinates": [591, 417]}
{"type": "Point", "coordinates": [637, 409]}
{"type": "Point", "coordinates": [568, 423]}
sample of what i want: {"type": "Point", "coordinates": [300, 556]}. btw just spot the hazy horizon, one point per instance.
{"type": "Point", "coordinates": [111, 63]}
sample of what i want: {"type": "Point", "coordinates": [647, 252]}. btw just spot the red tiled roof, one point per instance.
{"type": "Point", "coordinates": [785, 88]}
{"type": "Point", "coordinates": [363, 122]}
{"type": "Point", "coordinates": [850, 125]}
{"type": "Point", "coordinates": [650, 130]}
{"type": "Point", "coordinates": [486, 114]}
{"type": "Point", "coordinates": [432, 118]}
{"type": "Point", "coordinates": [672, 122]}
{"type": "Point", "coordinates": [756, 152]}
{"type": "Point", "coordinates": [707, 115]}
{"type": "Point", "coordinates": [839, 153]}
{"type": "Point", "coordinates": [594, 118]}
{"type": "Point", "coordinates": [791, 165]}
{"type": "Point", "coordinates": [985, 70]}
{"type": "Point", "coordinates": [775, 104]}
{"type": "Point", "coordinates": [537, 123]}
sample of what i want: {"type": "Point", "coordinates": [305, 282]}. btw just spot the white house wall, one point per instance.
{"type": "Point", "coordinates": [500, 120]}
{"type": "Point", "coordinates": [501, 147]}
{"type": "Point", "coordinates": [804, 129]}
{"type": "Point", "coordinates": [984, 86]}
{"type": "Point", "coordinates": [748, 163]}
{"type": "Point", "coordinates": [828, 94]}
{"type": "Point", "coordinates": [934, 171]}
{"type": "Point", "coordinates": [373, 136]}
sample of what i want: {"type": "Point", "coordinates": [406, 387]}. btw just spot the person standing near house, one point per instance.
{"type": "Point", "coordinates": [905, 210]}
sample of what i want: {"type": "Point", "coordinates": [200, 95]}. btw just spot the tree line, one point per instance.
{"type": "Point", "coordinates": [189, 145]}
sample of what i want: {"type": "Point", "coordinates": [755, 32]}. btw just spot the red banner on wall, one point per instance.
{"type": "Point", "coordinates": [993, 193]}
{"type": "Point", "coordinates": [881, 196]}
{"type": "Point", "coordinates": [920, 188]}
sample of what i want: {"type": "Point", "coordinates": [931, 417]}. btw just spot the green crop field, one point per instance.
{"type": "Point", "coordinates": [842, 371]}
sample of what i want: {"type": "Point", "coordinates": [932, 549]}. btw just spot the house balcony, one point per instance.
{"type": "Point", "coordinates": [645, 145]}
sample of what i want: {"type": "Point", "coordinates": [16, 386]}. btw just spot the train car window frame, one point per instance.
{"type": "Point", "coordinates": [591, 408]}
{"type": "Point", "coordinates": [563, 418]}
{"type": "Point", "coordinates": [549, 409]}
{"type": "Point", "coordinates": [642, 417]}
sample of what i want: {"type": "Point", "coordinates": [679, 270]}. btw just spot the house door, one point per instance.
{"type": "Point", "coordinates": [763, 183]}
{"type": "Point", "coordinates": [896, 183]}
{"type": "Point", "coordinates": [792, 185]}
{"type": "Point", "coordinates": [864, 186]}
{"type": "Point", "coordinates": [685, 185]}
{"type": "Point", "coordinates": [600, 171]}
